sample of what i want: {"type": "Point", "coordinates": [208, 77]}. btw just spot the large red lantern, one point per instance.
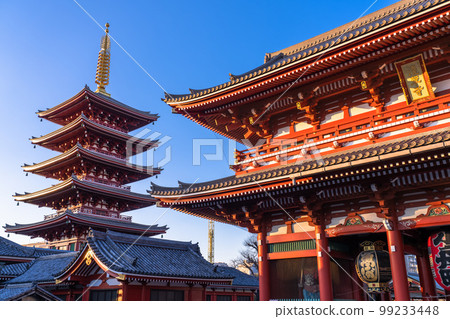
{"type": "Point", "coordinates": [439, 253]}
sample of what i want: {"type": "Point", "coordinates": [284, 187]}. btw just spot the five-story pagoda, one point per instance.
{"type": "Point", "coordinates": [93, 167]}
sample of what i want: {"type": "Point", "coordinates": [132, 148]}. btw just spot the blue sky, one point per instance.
{"type": "Point", "coordinates": [49, 52]}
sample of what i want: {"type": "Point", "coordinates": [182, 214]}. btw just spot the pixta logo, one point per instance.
{"type": "Point", "coordinates": [140, 150]}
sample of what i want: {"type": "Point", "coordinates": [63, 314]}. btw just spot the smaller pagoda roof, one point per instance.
{"type": "Point", "coordinates": [73, 184]}
{"type": "Point", "coordinates": [20, 291]}
{"type": "Point", "coordinates": [78, 126]}
{"type": "Point", "coordinates": [87, 220]}
{"type": "Point", "coordinates": [135, 256]}
{"type": "Point", "coordinates": [11, 249]}
{"type": "Point", "coordinates": [361, 28]}
{"type": "Point", "coordinates": [74, 103]}
{"type": "Point", "coordinates": [44, 269]}
{"type": "Point", "coordinates": [326, 162]}
{"type": "Point", "coordinates": [78, 152]}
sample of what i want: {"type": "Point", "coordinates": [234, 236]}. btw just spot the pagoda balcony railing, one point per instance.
{"type": "Point", "coordinates": [103, 214]}
{"type": "Point", "coordinates": [338, 133]}
{"type": "Point", "coordinates": [114, 127]}
{"type": "Point", "coordinates": [88, 211]}
{"type": "Point", "coordinates": [108, 183]}
{"type": "Point", "coordinates": [106, 153]}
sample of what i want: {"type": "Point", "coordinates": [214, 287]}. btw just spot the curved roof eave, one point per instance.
{"type": "Point", "coordinates": [296, 58]}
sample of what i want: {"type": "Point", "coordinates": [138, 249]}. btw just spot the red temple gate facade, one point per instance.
{"type": "Point", "coordinates": [347, 137]}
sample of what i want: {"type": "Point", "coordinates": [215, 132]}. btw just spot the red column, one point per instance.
{"type": "Point", "coordinates": [263, 267]}
{"type": "Point", "coordinates": [427, 284]}
{"type": "Point", "coordinates": [85, 293]}
{"type": "Point", "coordinates": [204, 292]}
{"type": "Point", "coordinates": [397, 259]}
{"type": "Point", "coordinates": [323, 264]}
{"type": "Point", "coordinates": [124, 291]}
{"type": "Point", "coordinates": [145, 293]}
{"type": "Point", "coordinates": [357, 291]}
{"type": "Point", "coordinates": [190, 292]}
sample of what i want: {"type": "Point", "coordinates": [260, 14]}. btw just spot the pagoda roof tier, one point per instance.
{"type": "Point", "coordinates": [67, 136]}
{"type": "Point", "coordinates": [86, 100]}
{"type": "Point", "coordinates": [72, 186]}
{"type": "Point", "coordinates": [78, 154]}
{"type": "Point", "coordinates": [314, 173]}
{"type": "Point", "coordinates": [64, 223]}
{"type": "Point", "coordinates": [364, 28]}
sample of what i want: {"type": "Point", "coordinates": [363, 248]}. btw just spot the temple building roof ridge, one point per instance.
{"type": "Point", "coordinates": [12, 249]}
{"type": "Point", "coordinates": [43, 269]}
{"type": "Point", "coordinates": [373, 22]}
{"type": "Point", "coordinates": [187, 186]}
{"type": "Point", "coordinates": [177, 259]}
{"type": "Point", "coordinates": [133, 239]}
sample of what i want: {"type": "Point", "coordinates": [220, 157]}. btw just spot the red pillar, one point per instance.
{"type": "Point", "coordinates": [190, 292]}
{"type": "Point", "coordinates": [145, 293]}
{"type": "Point", "coordinates": [263, 267]}
{"type": "Point", "coordinates": [427, 284]}
{"type": "Point", "coordinates": [357, 291]}
{"type": "Point", "coordinates": [204, 292]}
{"type": "Point", "coordinates": [323, 264]}
{"type": "Point", "coordinates": [397, 259]}
{"type": "Point", "coordinates": [85, 293]}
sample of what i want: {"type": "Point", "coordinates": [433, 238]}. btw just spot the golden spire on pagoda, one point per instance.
{"type": "Point", "coordinates": [104, 60]}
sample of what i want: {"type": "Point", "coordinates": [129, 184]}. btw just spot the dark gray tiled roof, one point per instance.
{"type": "Point", "coordinates": [9, 248]}
{"type": "Point", "coordinates": [13, 270]}
{"type": "Point", "coordinates": [44, 269]}
{"type": "Point", "coordinates": [10, 293]}
{"type": "Point", "coordinates": [239, 278]}
{"type": "Point", "coordinates": [152, 257]}
{"type": "Point", "coordinates": [16, 292]}
{"type": "Point", "coordinates": [366, 25]}
{"type": "Point", "coordinates": [345, 156]}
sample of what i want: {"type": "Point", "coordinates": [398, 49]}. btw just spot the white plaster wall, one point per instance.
{"type": "Point", "coordinates": [336, 221]}
{"type": "Point", "coordinates": [372, 217]}
{"type": "Point", "coordinates": [301, 126]}
{"type": "Point", "coordinates": [278, 230]}
{"type": "Point", "coordinates": [339, 115]}
{"type": "Point", "coordinates": [414, 212]}
{"type": "Point", "coordinates": [113, 282]}
{"type": "Point", "coordinates": [282, 131]}
{"type": "Point", "coordinates": [397, 98]}
{"type": "Point", "coordinates": [302, 227]}
{"type": "Point", "coordinates": [441, 86]}
{"type": "Point", "coordinates": [95, 283]}
{"type": "Point", "coordinates": [360, 109]}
